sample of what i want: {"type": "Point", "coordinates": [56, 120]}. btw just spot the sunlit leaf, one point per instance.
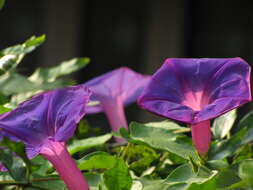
{"type": "Point", "coordinates": [4, 109]}
{"type": "Point", "coordinates": [5, 178]}
{"type": "Point", "coordinates": [15, 83]}
{"type": "Point", "coordinates": [208, 185]}
{"type": "Point", "coordinates": [97, 160]}
{"type": "Point", "coordinates": [222, 149]}
{"type": "Point", "coordinates": [7, 62]}
{"type": "Point", "coordinates": [17, 52]}
{"type": "Point", "coordinates": [84, 144]}
{"type": "Point", "coordinates": [26, 47]}
{"type": "Point", "coordinates": [50, 74]}
{"type": "Point", "coordinates": [150, 184]}
{"type": "Point", "coordinates": [223, 124]}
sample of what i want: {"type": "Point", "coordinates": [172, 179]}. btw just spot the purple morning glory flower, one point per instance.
{"type": "Point", "coordinates": [196, 90]}
{"type": "Point", "coordinates": [45, 122]}
{"type": "Point", "coordinates": [113, 91]}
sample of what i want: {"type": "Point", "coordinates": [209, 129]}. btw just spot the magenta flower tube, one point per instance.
{"type": "Point", "coordinates": [114, 110]}
{"type": "Point", "coordinates": [113, 91]}
{"type": "Point", "coordinates": [195, 91]}
{"type": "Point", "coordinates": [58, 155]}
{"type": "Point", "coordinates": [201, 136]}
{"type": "Point", "coordinates": [44, 123]}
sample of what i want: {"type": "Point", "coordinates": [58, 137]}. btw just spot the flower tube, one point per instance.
{"type": "Point", "coordinates": [195, 91]}
{"type": "Point", "coordinates": [44, 123]}
{"type": "Point", "coordinates": [113, 91]}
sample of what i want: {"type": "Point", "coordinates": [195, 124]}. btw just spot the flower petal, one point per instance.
{"type": "Point", "coordinates": [195, 90]}
{"type": "Point", "coordinates": [49, 115]}
{"type": "Point", "coordinates": [122, 82]}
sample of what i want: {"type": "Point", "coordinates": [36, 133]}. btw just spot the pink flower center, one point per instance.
{"type": "Point", "coordinates": [195, 100]}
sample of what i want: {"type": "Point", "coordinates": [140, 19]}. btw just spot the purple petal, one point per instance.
{"type": "Point", "coordinates": [194, 90]}
{"type": "Point", "coordinates": [50, 115]}
{"type": "Point", "coordinates": [122, 82]}
{"type": "Point", "coordinates": [3, 168]}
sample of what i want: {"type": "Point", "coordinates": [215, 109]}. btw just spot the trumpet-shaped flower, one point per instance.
{"type": "Point", "coordinates": [113, 91]}
{"type": "Point", "coordinates": [44, 123]}
{"type": "Point", "coordinates": [196, 90]}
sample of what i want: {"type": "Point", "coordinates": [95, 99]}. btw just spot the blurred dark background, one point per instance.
{"type": "Point", "coordinates": [138, 34]}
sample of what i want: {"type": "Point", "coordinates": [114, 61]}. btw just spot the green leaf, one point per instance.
{"type": "Point", "coordinates": [40, 165]}
{"type": "Point", "coordinates": [83, 129]}
{"type": "Point", "coordinates": [7, 62]}
{"type": "Point", "coordinates": [217, 164]}
{"type": "Point", "coordinates": [15, 83]}
{"type": "Point", "coordinates": [137, 185]}
{"type": "Point", "coordinates": [26, 47]}
{"type": "Point", "coordinates": [246, 172]}
{"type": "Point", "coordinates": [84, 144]}
{"type": "Point", "coordinates": [2, 4]}
{"type": "Point", "coordinates": [246, 121]}
{"type": "Point", "coordinates": [50, 74]}
{"type": "Point", "coordinates": [185, 174]}
{"type": "Point", "coordinates": [14, 164]}
{"type": "Point", "coordinates": [21, 88]}
{"type": "Point", "coordinates": [4, 109]}
{"type": "Point", "coordinates": [21, 94]}
{"type": "Point", "coordinates": [140, 158]}
{"type": "Point", "coordinates": [223, 124]}
{"type": "Point", "coordinates": [243, 153]}
{"type": "Point", "coordinates": [166, 124]}
{"type": "Point", "coordinates": [97, 160]}
{"type": "Point", "coordinates": [118, 177]}
{"type": "Point", "coordinates": [150, 184]}
{"type": "Point", "coordinates": [208, 185]}
{"type": "Point", "coordinates": [17, 147]}
{"type": "Point", "coordinates": [182, 178]}
{"type": "Point", "coordinates": [5, 178]}
{"type": "Point", "coordinates": [228, 147]}
{"type": "Point", "coordinates": [163, 136]}
{"type": "Point", "coordinates": [227, 177]}
{"type": "Point", "coordinates": [15, 54]}
{"type": "Point", "coordinates": [95, 181]}
{"type": "Point", "coordinates": [3, 99]}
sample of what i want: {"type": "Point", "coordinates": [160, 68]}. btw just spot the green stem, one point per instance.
{"type": "Point", "coordinates": [125, 150]}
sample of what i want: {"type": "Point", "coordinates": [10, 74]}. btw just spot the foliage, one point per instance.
{"type": "Point", "coordinates": [155, 156]}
